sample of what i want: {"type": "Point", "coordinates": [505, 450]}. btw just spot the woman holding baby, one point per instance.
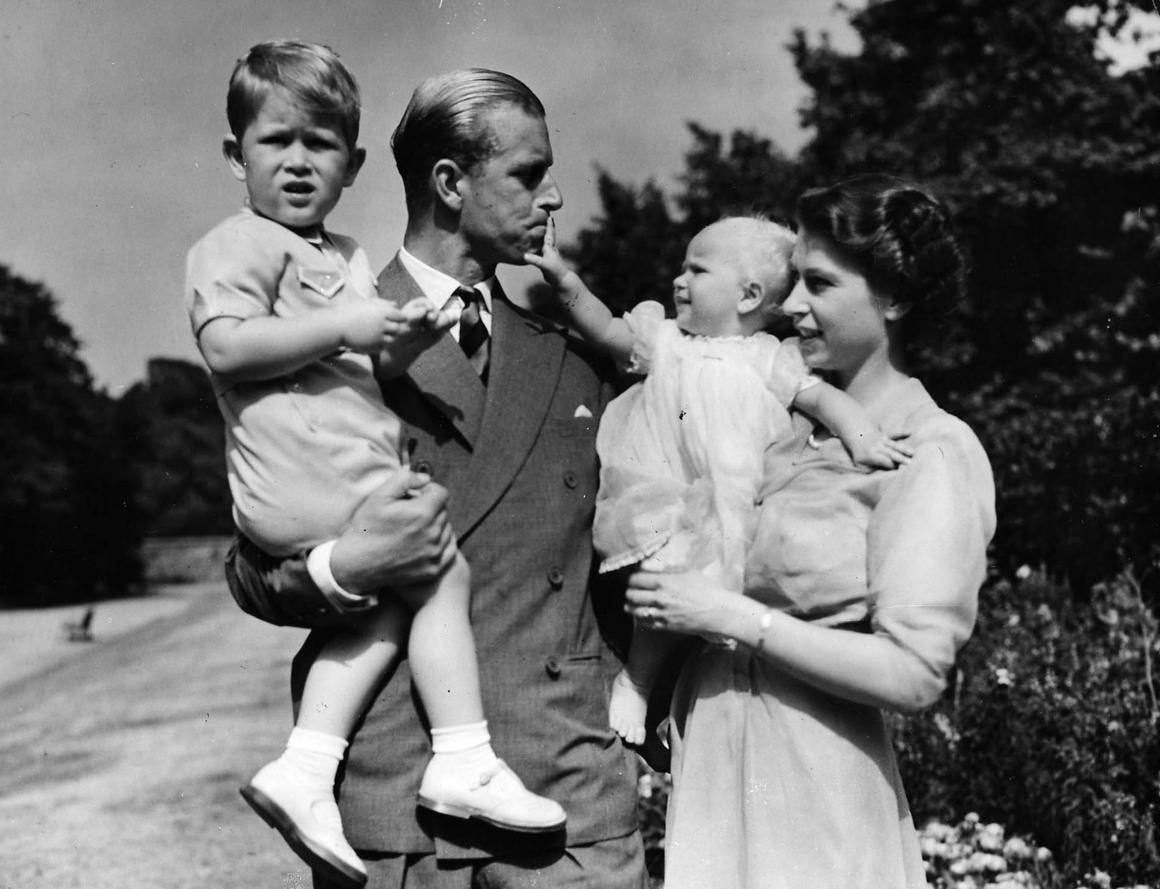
{"type": "Point", "coordinates": [860, 584]}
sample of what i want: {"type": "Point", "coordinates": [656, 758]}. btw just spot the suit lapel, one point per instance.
{"type": "Point", "coordinates": [442, 373]}
{"type": "Point", "coordinates": [526, 356]}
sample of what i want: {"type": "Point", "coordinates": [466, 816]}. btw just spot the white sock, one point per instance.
{"type": "Point", "coordinates": [314, 756]}
{"type": "Point", "coordinates": [467, 745]}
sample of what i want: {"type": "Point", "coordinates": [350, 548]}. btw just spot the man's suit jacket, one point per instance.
{"type": "Point", "coordinates": [519, 461]}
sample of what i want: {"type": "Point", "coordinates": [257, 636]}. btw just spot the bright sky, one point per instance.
{"type": "Point", "coordinates": [113, 114]}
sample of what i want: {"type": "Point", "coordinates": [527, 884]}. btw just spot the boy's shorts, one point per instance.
{"type": "Point", "coordinates": [268, 588]}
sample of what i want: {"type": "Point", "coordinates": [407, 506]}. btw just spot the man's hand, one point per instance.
{"type": "Point", "coordinates": [398, 536]}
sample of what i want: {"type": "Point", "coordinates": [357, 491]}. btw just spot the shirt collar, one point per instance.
{"type": "Point", "coordinates": [318, 239]}
{"type": "Point", "coordinates": [438, 286]}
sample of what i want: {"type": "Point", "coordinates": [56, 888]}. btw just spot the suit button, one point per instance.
{"type": "Point", "coordinates": [555, 577]}
{"type": "Point", "coordinates": [570, 478]}
{"type": "Point", "coordinates": [552, 665]}
{"type": "Point", "coordinates": [423, 466]}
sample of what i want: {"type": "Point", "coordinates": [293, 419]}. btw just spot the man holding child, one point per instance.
{"type": "Point", "coordinates": [500, 416]}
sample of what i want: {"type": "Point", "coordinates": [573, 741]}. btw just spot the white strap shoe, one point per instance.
{"type": "Point", "coordinates": [309, 822]}
{"type": "Point", "coordinates": [496, 795]}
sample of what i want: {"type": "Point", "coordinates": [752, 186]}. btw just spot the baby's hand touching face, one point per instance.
{"type": "Point", "coordinates": [549, 261]}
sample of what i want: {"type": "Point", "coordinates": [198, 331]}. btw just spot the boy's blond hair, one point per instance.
{"type": "Point", "coordinates": [310, 73]}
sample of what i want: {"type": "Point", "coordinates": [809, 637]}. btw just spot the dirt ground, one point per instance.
{"type": "Point", "coordinates": [121, 758]}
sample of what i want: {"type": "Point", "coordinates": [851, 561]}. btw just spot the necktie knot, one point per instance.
{"type": "Point", "coordinates": [473, 335]}
{"type": "Point", "coordinates": [469, 296]}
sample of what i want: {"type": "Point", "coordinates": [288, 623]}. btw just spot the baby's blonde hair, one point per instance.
{"type": "Point", "coordinates": [763, 251]}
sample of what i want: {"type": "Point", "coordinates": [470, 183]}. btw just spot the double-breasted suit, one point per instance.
{"type": "Point", "coordinates": [518, 459]}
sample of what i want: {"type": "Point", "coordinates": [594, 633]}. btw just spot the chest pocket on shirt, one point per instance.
{"type": "Point", "coordinates": [325, 282]}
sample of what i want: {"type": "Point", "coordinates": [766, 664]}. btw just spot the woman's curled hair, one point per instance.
{"type": "Point", "coordinates": [899, 236]}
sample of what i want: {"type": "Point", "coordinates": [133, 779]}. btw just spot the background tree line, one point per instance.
{"type": "Point", "coordinates": [1051, 163]}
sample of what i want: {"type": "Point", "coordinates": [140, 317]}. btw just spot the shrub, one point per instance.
{"type": "Point", "coordinates": [1051, 727]}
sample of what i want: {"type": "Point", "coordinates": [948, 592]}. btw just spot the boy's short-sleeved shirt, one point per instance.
{"type": "Point", "coordinates": [304, 449]}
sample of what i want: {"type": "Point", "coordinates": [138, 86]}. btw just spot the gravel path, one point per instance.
{"type": "Point", "coordinates": [120, 759]}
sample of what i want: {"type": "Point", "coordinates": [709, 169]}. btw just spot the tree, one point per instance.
{"type": "Point", "coordinates": [1053, 166]}
{"type": "Point", "coordinates": [70, 531]}
{"type": "Point", "coordinates": [171, 429]}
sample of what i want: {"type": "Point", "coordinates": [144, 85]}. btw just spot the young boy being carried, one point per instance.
{"type": "Point", "coordinates": [288, 321]}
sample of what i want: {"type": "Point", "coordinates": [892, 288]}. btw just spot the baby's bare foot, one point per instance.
{"type": "Point", "coordinates": [627, 709]}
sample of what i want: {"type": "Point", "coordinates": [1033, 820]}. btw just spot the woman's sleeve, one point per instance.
{"type": "Point", "coordinates": [644, 322]}
{"type": "Point", "coordinates": [927, 553]}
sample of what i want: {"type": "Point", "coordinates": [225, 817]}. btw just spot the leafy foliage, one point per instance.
{"type": "Point", "coordinates": [174, 436]}
{"type": "Point", "coordinates": [69, 527]}
{"type": "Point", "coordinates": [1052, 728]}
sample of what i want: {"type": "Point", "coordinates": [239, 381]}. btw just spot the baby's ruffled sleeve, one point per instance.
{"type": "Point", "coordinates": [644, 322]}
{"type": "Point", "coordinates": [788, 375]}
{"type": "Point", "coordinates": [229, 274]}
{"type": "Point", "coordinates": [927, 553]}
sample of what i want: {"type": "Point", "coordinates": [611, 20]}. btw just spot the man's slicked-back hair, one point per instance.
{"type": "Point", "coordinates": [310, 73]}
{"type": "Point", "coordinates": [446, 118]}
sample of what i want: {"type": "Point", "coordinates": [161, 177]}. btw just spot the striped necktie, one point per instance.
{"type": "Point", "coordinates": [473, 335]}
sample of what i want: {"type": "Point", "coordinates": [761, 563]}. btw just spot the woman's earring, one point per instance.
{"type": "Point", "coordinates": [896, 311]}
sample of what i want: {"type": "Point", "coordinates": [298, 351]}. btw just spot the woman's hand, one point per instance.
{"type": "Point", "coordinates": [687, 603]}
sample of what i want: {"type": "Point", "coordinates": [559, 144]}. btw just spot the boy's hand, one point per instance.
{"type": "Point", "coordinates": [420, 326]}
{"type": "Point", "coordinates": [367, 325]}
{"type": "Point", "coordinates": [551, 264]}
{"type": "Point", "coordinates": [396, 333]}
{"type": "Point", "coordinates": [881, 451]}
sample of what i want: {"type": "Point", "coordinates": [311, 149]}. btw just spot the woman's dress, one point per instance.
{"type": "Point", "coordinates": [778, 785]}
{"type": "Point", "coordinates": [682, 451]}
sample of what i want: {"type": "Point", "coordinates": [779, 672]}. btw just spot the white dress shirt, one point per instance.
{"type": "Point", "coordinates": [440, 288]}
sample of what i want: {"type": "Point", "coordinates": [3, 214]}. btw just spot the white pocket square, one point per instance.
{"type": "Point", "coordinates": [582, 411]}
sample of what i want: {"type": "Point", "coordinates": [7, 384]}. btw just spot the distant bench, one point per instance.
{"type": "Point", "coordinates": [80, 630]}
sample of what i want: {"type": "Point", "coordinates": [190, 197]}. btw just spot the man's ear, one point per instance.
{"type": "Point", "coordinates": [448, 178]}
{"type": "Point", "coordinates": [752, 298]}
{"type": "Point", "coordinates": [232, 152]}
{"type": "Point", "coordinates": [358, 157]}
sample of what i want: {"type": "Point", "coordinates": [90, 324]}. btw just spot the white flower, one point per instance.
{"type": "Point", "coordinates": [1024, 572]}
{"type": "Point", "coordinates": [1003, 676]}
{"type": "Point", "coordinates": [937, 830]}
{"type": "Point", "coordinates": [1016, 847]}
